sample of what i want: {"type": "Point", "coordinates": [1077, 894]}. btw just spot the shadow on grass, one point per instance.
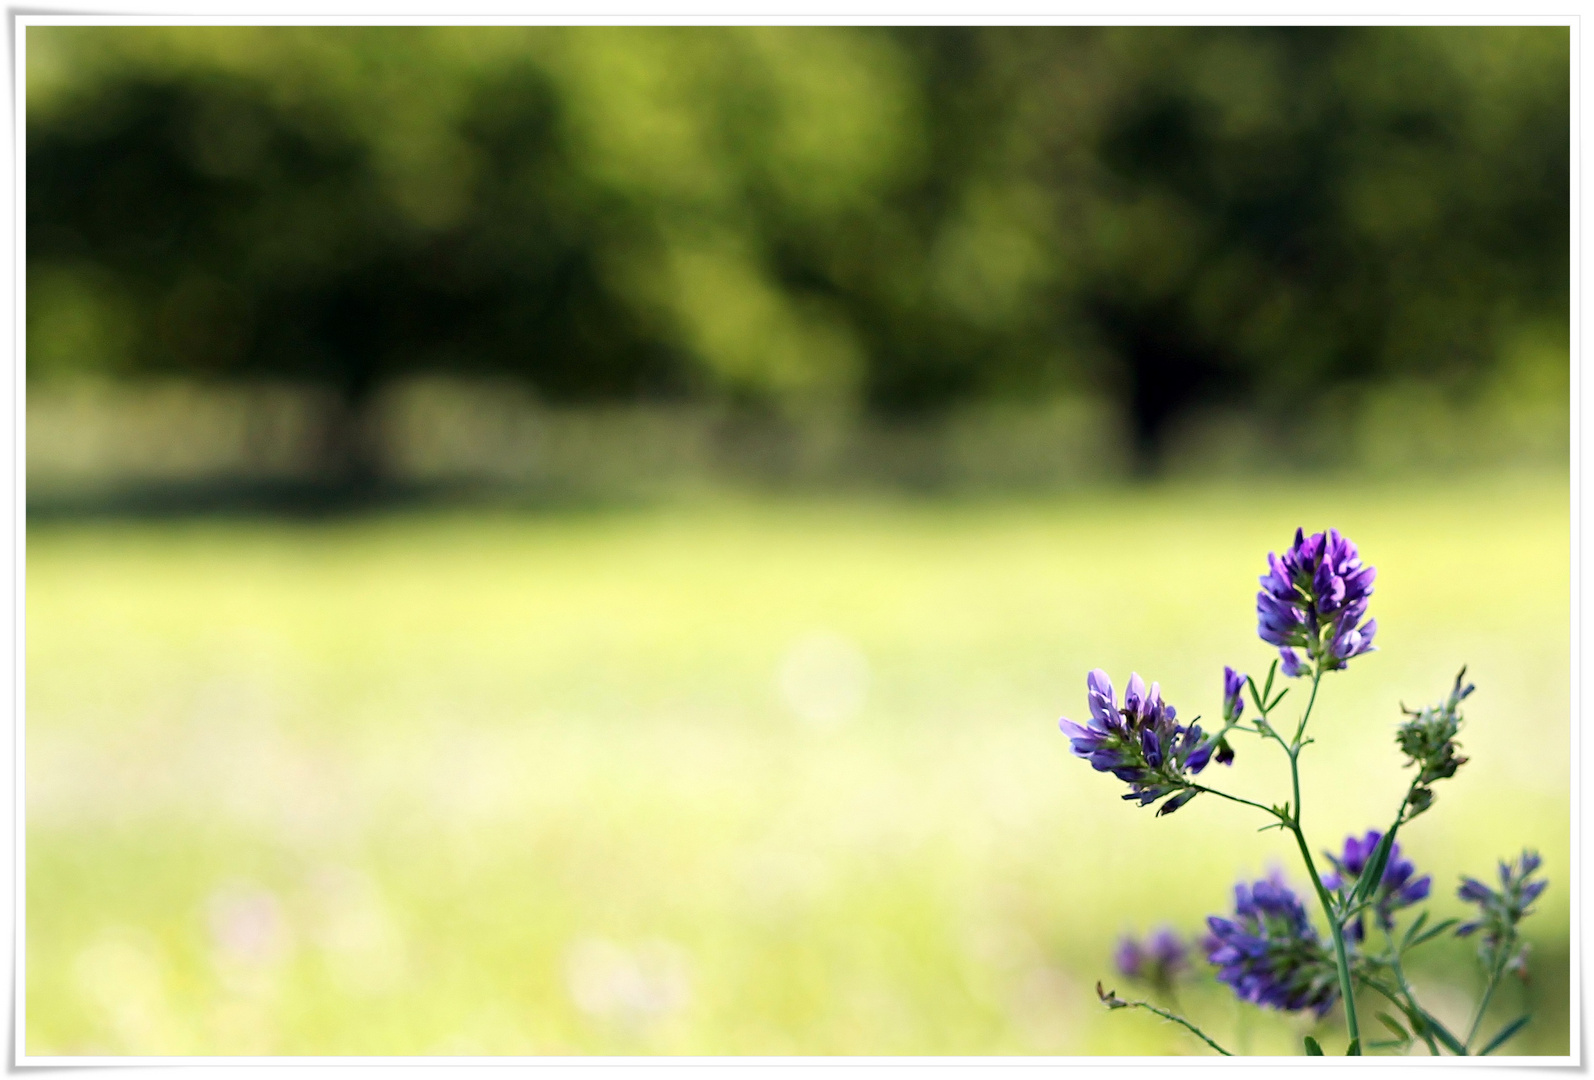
{"type": "Point", "coordinates": [309, 500]}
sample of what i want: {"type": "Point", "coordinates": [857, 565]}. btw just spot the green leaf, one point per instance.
{"type": "Point", "coordinates": [1354, 1049]}
{"type": "Point", "coordinates": [1312, 1049]}
{"type": "Point", "coordinates": [1387, 1044]}
{"type": "Point", "coordinates": [1440, 1032]}
{"type": "Point", "coordinates": [1432, 932]}
{"type": "Point", "coordinates": [1373, 872]}
{"type": "Point", "coordinates": [1412, 930]}
{"type": "Point", "coordinates": [1394, 1025]}
{"type": "Point", "coordinates": [1505, 1033]}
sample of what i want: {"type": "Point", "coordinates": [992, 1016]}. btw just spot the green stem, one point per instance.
{"type": "Point", "coordinates": [1235, 725]}
{"type": "Point", "coordinates": [1406, 1010]}
{"type": "Point", "coordinates": [1300, 729]}
{"type": "Point", "coordinates": [1235, 798]}
{"type": "Point", "coordinates": [1405, 988]}
{"type": "Point", "coordinates": [1341, 959]}
{"type": "Point", "coordinates": [1419, 1018]}
{"type": "Point", "coordinates": [1177, 1019]}
{"type": "Point", "coordinates": [1293, 823]}
{"type": "Point", "coordinates": [1392, 996]}
{"type": "Point", "coordinates": [1400, 815]}
{"type": "Point", "coordinates": [1504, 954]}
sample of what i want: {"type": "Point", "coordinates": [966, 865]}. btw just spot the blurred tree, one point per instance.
{"type": "Point", "coordinates": [804, 219]}
{"type": "Point", "coordinates": [1273, 213]}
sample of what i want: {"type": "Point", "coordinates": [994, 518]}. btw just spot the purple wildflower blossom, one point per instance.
{"type": "Point", "coordinates": [1397, 888]}
{"type": "Point", "coordinates": [1140, 743]}
{"type": "Point", "coordinates": [1233, 706]}
{"type": "Point", "coordinates": [1157, 961]}
{"type": "Point", "coordinates": [1292, 665]}
{"type": "Point", "coordinates": [1269, 953]}
{"type": "Point", "coordinates": [1499, 912]}
{"type": "Point", "coordinates": [1313, 598]}
{"type": "Point", "coordinates": [1129, 957]}
{"type": "Point", "coordinates": [1233, 701]}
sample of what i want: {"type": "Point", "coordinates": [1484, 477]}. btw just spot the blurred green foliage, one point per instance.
{"type": "Point", "coordinates": [808, 219]}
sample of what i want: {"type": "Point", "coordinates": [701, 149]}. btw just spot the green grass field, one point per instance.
{"type": "Point", "coordinates": [732, 777]}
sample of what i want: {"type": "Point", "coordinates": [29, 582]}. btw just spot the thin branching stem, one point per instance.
{"type": "Point", "coordinates": [1503, 954]}
{"type": "Point", "coordinates": [1406, 991]}
{"type": "Point", "coordinates": [1341, 959]}
{"type": "Point", "coordinates": [1393, 997]}
{"type": "Point", "coordinates": [1235, 798]}
{"type": "Point", "coordinates": [1177, 1019]}
{"type": "Point", "coordinates": [1300, 729]}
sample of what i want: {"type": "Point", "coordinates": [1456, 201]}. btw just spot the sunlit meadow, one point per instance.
{"type": "Point", "coordinates": [731, 776]}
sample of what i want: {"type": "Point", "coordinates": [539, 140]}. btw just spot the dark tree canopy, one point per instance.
{"type": "Point", "coordinates": [808, 218]}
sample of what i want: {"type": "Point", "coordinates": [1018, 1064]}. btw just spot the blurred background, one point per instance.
{"type": "Point", "coordinates": [574, 540]}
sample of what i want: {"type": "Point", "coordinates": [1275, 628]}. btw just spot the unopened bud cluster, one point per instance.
{"type": "Point", "coordinates": [1428, 739]}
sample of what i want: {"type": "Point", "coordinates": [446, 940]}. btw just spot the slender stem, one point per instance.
{"type": "Point", "coordinates": [1405, 988]}
{"type": "Point", "coordinates": [1177, 1019]}
{"type": "Point", "coordinates": [1276, 737]}
{"type": "Point", "coordinates": [1235, 725]}
{"type": "Point", "coordinates": [1235, 798]}
{"type": "Point", "coordinates": [1373, 984]}
{"type": "Point", "coordinates": [1407, 1010]}
{"type": "Point", "coordinates": [1300, 729]}
{"type": "Point", "coordinates": [1394, 952]}
{"type": "Point", "coordinates": [1341, 959]}
{"type": "Point", "coordinates": [1504, 954]}
{"type": "Point", "coordinates": [1295, 784]}
{"type": "Point", "coordinates": [1400, 815]}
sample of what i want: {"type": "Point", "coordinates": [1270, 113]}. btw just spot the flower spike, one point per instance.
{"type": "Point", "coordinates": [1139, 742]}
{"type": "Point", "coordinates": [1313, 599]}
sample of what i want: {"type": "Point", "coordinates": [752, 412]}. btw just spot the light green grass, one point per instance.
{"type": "Point", "coordinates": [521, 783]}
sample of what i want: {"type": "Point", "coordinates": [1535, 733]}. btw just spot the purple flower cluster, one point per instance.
{"type": "Point", "coordinates": [1397, 888]}
{"type": "Point", "coordinates": [1140, 743]}
{"type": "Point", "coordinates": [1158, 961]}
{"type": "Point", "coordinates": [1269, 953]}
{"type": "Point", "coordinates": [1499, 912]}
{"type": "Point", "coordinates": [1312, 599]}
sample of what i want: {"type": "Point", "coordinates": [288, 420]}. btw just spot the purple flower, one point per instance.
{"type": "Point", "coordinates": [1499, 912]}
{"type": "Point", "coordinates": [1233, 706]}
{"type": "Point", "coordinates": [1129, 958]}
{"type": "Point", "coordinates": [1397, 888]}
{"type": "Point", "coordinates": [1158, 961]}
{"type": "Point", "coordinates": [1233, 701]}
{"type": "Point", "coordinates": [1140, 743]}
{"type": "Point", "coordinates": [1269, 953]}
{"type": "Point", "coordinates": [1313, 599]}
{"type": "Point", "coordinates": [1292, 665]}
